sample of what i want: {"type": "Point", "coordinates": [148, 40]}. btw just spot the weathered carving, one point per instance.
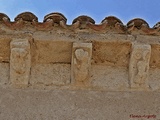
{"type": "Point", "coordinates": [6, 20]}
{"type": "Point", "coordinates": [82, 22]}
{"type": "Point", "coordinates": [26, 16]}
{"type": "Point", "coordinates": [57, 18]}
{"type": "Point", "coordinates": [2, 16]}
{"type": "Point", "coordinates": [136, 23]}
{"type": "Point", "coordinates": [81, 63]}
{"type": "Point", "coordinates": [20, 20]}
{"type": "Point", "coordinates": [139, 66]}
{"type": "Point", "coordinates": [142, 25]}
{"type": "Point", "coordinates": [110, 23]}
{"type": "Point", "coordinates": [20, 62]}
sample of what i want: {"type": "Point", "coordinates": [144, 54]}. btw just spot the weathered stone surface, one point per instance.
{"type": "Point", "coordinates": [154, 79]}
{"type": "Point", "coordinates": [77, 105]}
{"type": "Point", "coordinates": [81, 63]}
{"type": "Point", "coordinates": [155, 56]}
{"type": "Point", "coordinates": [109, 78]}
{"type": "Point", "coordinates": [4, 73]}
{"type": "Point", "coordinates": [20, 62]}
{"type": "Point", "coordinates": [67, 81]}
{"type": "Point", "coordinates": [26, 16]}
{"type": "Point", "coordinates": [55, 47]}
{"type": "Point", "coordinates": [50, 74]}
{"type": "Point", "coordinates": [111, 53]}
{"type": "Point", "coordinates": [139, 66]}
{"type": "Point", "coordinates": [4, 49]}
{"type": "Point", "coordinates": [51, 52]}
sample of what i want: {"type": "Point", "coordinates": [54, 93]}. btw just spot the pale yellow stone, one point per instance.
{"type": "Point", "coordinates": [4, 73]}
{"type": "Point", "coordinates": [20, 62]}
{"type": "Point", "coordinates": [81, 63]}
{"type": "Point", "coordinates": [50, 74]}
{"type": "Point", "coordinates": [139, 66]}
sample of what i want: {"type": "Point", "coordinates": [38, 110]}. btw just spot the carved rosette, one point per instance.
{"type": "Point", "coordinates": [139, 66]}
{"type": "Point", "coordinates": [81, 63]}
{"type": "Point", "coordinates": [20, 62]}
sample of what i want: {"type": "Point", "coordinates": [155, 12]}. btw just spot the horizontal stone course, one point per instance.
{"type": "Point", "coordinates": [52, 59]}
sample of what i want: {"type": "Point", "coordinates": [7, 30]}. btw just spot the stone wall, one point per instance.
{"type": "Point", "coordinates": [107, 64]}
{"type": "Point", "coordinates": [78, 58]}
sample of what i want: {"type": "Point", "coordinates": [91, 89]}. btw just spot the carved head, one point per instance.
{"type": "Point", "coordinates": [137, 23]}
{"type": "Point", "coordinates": [56, 17]}
{"type": "Point", "coordinates": [4, 16]}
{"type": "Point", "coordinates": [81, 54]}
{"type": "Point", "coordinates": [111, 20]}
{"type": "Point", "coordinates": [142, 52]}
{"type": "Point", "coordinates": [26, 16]}
{"type": "Point", "coordinates": [82, 21]}
{"type": "Point", "coordinates": [138, 55]}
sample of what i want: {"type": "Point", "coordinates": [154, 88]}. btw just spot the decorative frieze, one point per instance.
{"type": "Point", "coordinates": [139, 66]}
{"type": "Point", "coordinates": [81, 63]}
{"type": "Point", "coordinates": [20, 62]}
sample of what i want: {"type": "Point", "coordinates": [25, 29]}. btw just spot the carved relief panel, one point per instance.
{"type": "Point", "coordinates": [81, 63]}
{"type": "Point", "coordinates": [20, 61]}
{"type": "Point", "coordinates": [139, 66]}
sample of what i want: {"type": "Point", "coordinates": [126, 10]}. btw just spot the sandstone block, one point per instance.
{"type": "Point", "coordinates": [109, 78]}
{"type": "Point", "coordinates": [20, 62]}
{"type": "Point", "coordinates": [139, 66]}
{"type": "Point", "coordinates": [50, 74]}
{"type": "Point", "coordinates": [4, 73]}
{"type": "Point", "coordinates": [81, 63]}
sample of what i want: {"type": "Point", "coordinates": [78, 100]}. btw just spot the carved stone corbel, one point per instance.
{"type": "Point", "coordinates": [82, 22]}
{"type": "Point", "coordinates": [139, 66]}
{"type": "Point", "coordinates": [20, 62]}
{"type": "Point", "coordinates": [142, 26]}
{"type": "Point", "coordinates": [81, 63]}
{"type": "Point", "coordinates": [57, 19]}
{"type": "Point", "coordinates": [136, 24]}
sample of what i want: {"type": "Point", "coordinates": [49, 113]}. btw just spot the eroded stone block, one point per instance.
{"type": "Point", "coordinates": [154, 79]}
{"type": "Point", "coordinates": [48, 51]}
{"type": "Point", "coordinates": [20, 62]}
{"type": "Point", "coordinates": [111, 53]}
{"type": "Point", "coordinates": [109, 77]}
{"type": "Point", "coordinates": [50, 74]}
{"type": "Point", "coordinates": [4, 49]}
{"type": "Point", "coordinates": [155, 56]}
{"type": "Point", "coordinates": [139, 66]}
{"type": "Point", "coordinates": [81, 63]}
{"type": "Point", "coordinates": [4, 73]}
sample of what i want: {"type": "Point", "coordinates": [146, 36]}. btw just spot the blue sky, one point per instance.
{"type": "Point", "coordinates": [97, 9]}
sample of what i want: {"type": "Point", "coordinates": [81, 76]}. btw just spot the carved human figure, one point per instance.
{"type": "Point", "coordinates": [20, 61]}
{"type": "Point", "coordinates": [18, 57]}
{"type": "Point", "coordinates": [142, 73]}
{"type": "Point", "coordinates": [81, 62]}
{"type": "Point", "coordinates": [142, 69]}
{"type": "Point", "coordinates": [139, 66]}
